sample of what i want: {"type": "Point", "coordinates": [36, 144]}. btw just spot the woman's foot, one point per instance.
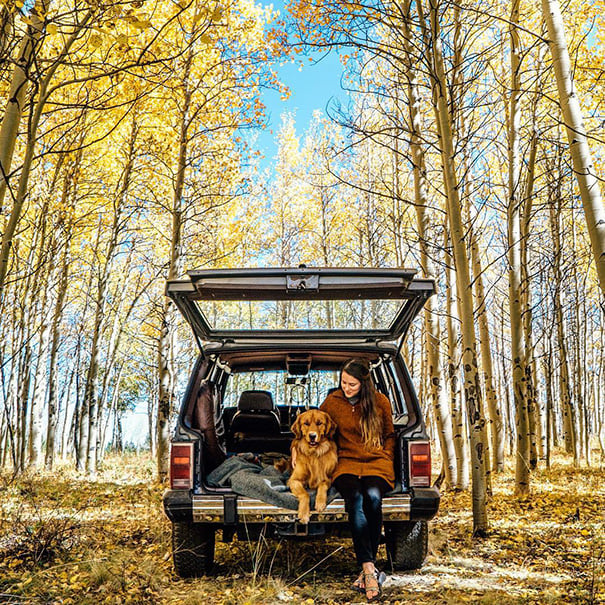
{"type": "Point", "coordinates": [372, 587]}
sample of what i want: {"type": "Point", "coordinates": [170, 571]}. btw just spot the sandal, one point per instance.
{"type": "Point", "coordinates": [372, 589]}
{"type": "Point", "coordinates": [358, 585]}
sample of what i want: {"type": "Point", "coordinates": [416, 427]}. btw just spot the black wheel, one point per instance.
{"type": "Point", "coordinates": [192, 549]}
{"type": "Point", "coordinates": [407, 543]}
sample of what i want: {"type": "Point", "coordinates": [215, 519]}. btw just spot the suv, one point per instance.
{"type": "Point", "coordinates": [272, 343]}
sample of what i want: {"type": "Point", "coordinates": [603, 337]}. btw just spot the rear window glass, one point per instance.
{"type": "Point", "coordinates": [300, 314]}
{"type": "Point", "coordinates": [308, 391]}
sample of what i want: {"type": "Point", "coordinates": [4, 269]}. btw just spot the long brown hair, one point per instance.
{"type": "Point", "coordinates": [371, 420]}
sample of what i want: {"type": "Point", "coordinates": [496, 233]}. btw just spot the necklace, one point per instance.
{"type": "Point", "coordinates": [353, 404]}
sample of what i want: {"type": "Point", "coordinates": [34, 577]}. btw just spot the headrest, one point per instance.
{"type": "Point", "coordinates": [255, 400]}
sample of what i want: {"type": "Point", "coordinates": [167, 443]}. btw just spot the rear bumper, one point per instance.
{"type": "Point", "coordinates": [249, 510]}
{"type": "Point", "coordinates": [177, 505]}
{"type": "Point", "coordinates": [183, 506]}
{"type": "Point", "coordinates": [425, 503]}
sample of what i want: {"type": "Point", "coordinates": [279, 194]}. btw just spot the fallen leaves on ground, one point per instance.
{"type": "Point", "coordinates": [67, 539]}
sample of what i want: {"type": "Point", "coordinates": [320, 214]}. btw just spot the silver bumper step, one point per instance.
{"type": "Point", "coordinates": [211, 509]}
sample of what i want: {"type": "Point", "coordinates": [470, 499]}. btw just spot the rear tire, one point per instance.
{"type": "Point", "coordinates": [192, 549]}
{"type": "Point", "coordinates": [407, 543]}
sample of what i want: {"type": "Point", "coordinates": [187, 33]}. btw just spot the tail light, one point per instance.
{"type": "Point", "coordinates": [181, 466]}
{"type": "Point", "coordinates": [420, 463]}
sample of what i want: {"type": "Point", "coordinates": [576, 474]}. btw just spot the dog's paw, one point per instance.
{"type": "Point", "coordinates": [304, 514]}
{"type": "Point", "coordinates": [320, 505]}
{"type": "Point", "coordinates": [304, 519]}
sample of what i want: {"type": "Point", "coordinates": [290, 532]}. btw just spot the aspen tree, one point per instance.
{"type": "Point", "coordinates": [599, 391]}
{"type": "Point", "coordinates": [44, 271]}
{"type": "Point", "coordinates": [87, 459]}
{"type": "Point", "coordinates": [25, 366]}
{"type": "Point", "coordinates": [81, 410]}
{"type": "Point", "coordinates": [453, 373]}
{"type": "Point", "coordinates": [21, 77]}
{"type": "Point", "coordinates": [68, 201]}
{"type": "Point", "coordinates": [495, 415]}
{"type": "Point", "coordinates": [91, 399]}
{"type": "Point", "coordinates": [43, 93]}
{"type": "Point", "coordinates": [165, 342]}
{"type": "Point", "coordinates": [518, 353]}
{"type": "Point", "coordinates": [588, 182]}
{"type": "Point", "coordinates": [529, 363]}
{"type": "Point", "coordinates": [495, 453]}
{"type": "Point", "coordinates": [52, 415]}
{"type": "Point", "coordinates": [567, 406]}
{"type": "Point", "coordinates": [440, 404]}
{"type": "Point", "coordinates": [472, 388]}
{"type": "Point", "coordinates": [548, 366]}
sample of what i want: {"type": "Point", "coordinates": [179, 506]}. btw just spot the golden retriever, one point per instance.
{"type": "Point", "coordinates": [314, 457]}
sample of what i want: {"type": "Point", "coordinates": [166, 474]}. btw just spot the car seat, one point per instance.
{"type": "Point", "coordinates": [255, 425]}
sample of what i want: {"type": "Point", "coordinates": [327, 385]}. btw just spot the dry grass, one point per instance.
{"type": "Point", "coordinates": [65, 539]}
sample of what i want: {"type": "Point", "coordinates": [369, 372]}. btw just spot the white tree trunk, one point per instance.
{"type": "Point", "coordinates": [522, 476]}
{"type": "Point", "coordinates": [472, 383]}
{"type": "Point", "coordinates": [16, 101]}
{"type": "Point", "coordinates": [165, 344]}
{"type": "Point", "coordinates": [431, 321]}
{"type": "Point", "coordinates": [453, 372]}
{"type": "Point", "coordinates": [588, 182]}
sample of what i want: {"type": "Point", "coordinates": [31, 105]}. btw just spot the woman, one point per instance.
{"type": "Point", "coordinates": [365, 472]}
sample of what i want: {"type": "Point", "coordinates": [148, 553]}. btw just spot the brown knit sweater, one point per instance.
{"type": "Point", "coordinates": [353, 457]}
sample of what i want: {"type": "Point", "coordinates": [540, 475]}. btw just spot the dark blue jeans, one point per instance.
{"type": "Point", "coordinates": [363, 501]}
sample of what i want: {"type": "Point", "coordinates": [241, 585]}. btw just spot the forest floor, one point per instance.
{"type": "Point", "coordinates": [67, 539]}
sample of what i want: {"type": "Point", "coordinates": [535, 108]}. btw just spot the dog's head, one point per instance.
{"type": "Point", "coordinates": [314, 427]}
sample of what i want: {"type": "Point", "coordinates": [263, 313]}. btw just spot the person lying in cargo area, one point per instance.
{"type": "Point", "coordinates": [366, 446]}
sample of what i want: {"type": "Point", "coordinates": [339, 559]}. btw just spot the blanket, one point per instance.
{"type": "Point", "coordinates": [247, 476]}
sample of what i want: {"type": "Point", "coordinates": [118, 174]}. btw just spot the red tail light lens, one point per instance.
{"type": "Point", "coordinates": [181, 466]}
{"type": "Point", "coordinates": [420, 464]}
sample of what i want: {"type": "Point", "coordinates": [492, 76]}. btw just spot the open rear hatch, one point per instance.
{"type": "Point", "coordinates": [293, 303]}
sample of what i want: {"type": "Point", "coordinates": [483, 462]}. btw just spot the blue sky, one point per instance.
{"type": "Point", "coordinates": [311, 85]}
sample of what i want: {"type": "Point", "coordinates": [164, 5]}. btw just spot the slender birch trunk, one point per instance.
{"type": "Point", "coordinates": [515, 285]}
{"type": "Point", "coordinates": [529, 363]}
{"type": "Point", "coordinates": [567, 409]}
{"type": "Point", "coordinates": [91, 398]}
{"type": "Point", "coordinates": [509, 424]}
{"type": "Point", "coordinates": [32, 133]}
{"type": "Point", "coordinates": [90, 401]}
{"type": "Point", "coordinates": [30, 290]}
{"type": "Point", "coordinates": [583, 167]}
{"type": "Point", "coordinates": [599, 407]}
{"type": "Point", "coordinates": [53, 412]}
{"type": "Point", "coordinates": [68, 199]}
{"type": "Point", "coordinates": [440, 403]}
{"type": "Point", "coordinates": [69, 411]}
{"type": "Point", "coordinates": [472, 388]}
{"type": "Point", "coordinates": [453, 373]}
{"type": "Point", "coordinates": [165, 343]}
{"type": "Point", "coordinates": [43, 349]}
{"type": "Point", "coordinates": [81, 411]}
{"type": "Point", "coordinates": [16, 101]}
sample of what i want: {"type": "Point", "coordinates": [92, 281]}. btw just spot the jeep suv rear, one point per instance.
{"type": "Point", "coordinates": [272, 343]}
